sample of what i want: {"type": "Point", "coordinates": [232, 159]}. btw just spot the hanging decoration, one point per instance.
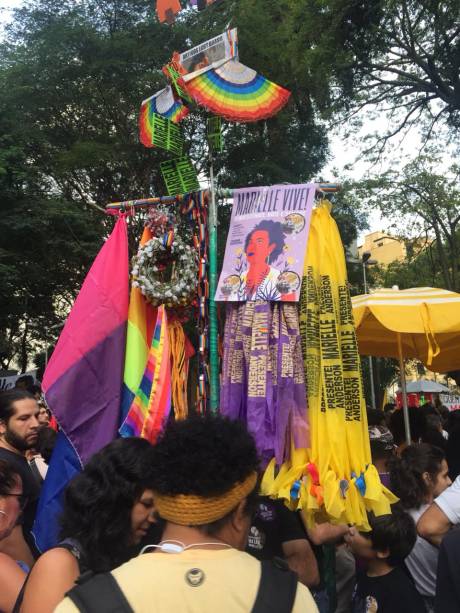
{"type": "Point", "coordinates": [158, 221]}
{"type": "Point", "coordinates": [263, 380]}
{"type": "Point", "coordinates": [171, 71]}
{"type": "Point", "coordinates": [162, 103]}
{"type": "Point", "coordinates": [212, 76]}
{"type": "Point", "coordinates": [266, 242]}
{"type": "Point", "coordinates": [152, 403]}
{"type": "Point", "coordinates": [141, 323]}
{"type": "Point", "coordinates": [179, 176]}
{"type": "Point", "coordinates": [214, 133]}
{"type": "Point", "coordinates": [179, 368]}
{"type": "Point", "coordinates": [203, 4]}
{"type": "Point", "coordinates": [153, 261]}
{"type": "Point", "coordinates": [334, 477]}
{"type": "Point", "coordinates": [195, 207]}
{"type": "Point", "coordinates": [213, 53]}
{"type": "Point", "coordinates": [158, 131]}
{"type": "Point", "coordinates": [168, 9]}
{"type": "Point", "coordinates": [237, 93]}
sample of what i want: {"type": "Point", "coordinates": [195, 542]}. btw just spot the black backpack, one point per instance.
{"type": "Point", "coordinates": [102, 594]}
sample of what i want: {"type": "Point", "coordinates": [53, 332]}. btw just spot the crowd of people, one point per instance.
{"type": "Point", "coordinates": [180, 526]}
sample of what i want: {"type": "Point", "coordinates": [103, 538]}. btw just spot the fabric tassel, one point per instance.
{"type": "Point", "coordinates": [179, 369]}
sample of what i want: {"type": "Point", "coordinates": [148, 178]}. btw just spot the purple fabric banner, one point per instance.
{"type": "Point", "coordinates": [263, 381]}
{"type": "Point", "coordinates": [266, 243]}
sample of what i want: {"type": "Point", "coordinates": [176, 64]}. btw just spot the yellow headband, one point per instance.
{"type": "Point", "coordinates": [191, 510]}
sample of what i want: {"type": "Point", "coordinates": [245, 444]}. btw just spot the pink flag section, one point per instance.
{"type": "Point", "coordinates": [101, 306]}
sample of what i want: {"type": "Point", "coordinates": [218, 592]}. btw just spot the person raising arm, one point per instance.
{"type": "Point", "coordinates": [441, 515]}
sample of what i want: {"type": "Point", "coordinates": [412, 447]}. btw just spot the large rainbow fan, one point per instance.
{"type": "Point", "coordinates": [236, 92]}
{"type": "Point", "coordinates": [162, 103]}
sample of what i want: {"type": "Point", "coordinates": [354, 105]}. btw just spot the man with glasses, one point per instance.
{"type": "Point", "coordinates": [18, 433]}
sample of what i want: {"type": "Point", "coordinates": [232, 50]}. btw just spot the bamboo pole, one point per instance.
{"type": "Point", "coordinates": [213, 327]}
{"type": "Point", "coordinates": [225, 193]}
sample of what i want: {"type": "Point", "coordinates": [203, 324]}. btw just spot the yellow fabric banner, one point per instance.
{"type": "Point", "coordinates": [333, 479]}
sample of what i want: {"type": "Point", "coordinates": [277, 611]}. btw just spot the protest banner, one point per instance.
{"type": "Point", "coordinates": [266, 243]}
{"type": "Point", "coordinates": [451, 401]}
{"type": "Point", "coordinates": [8, 381]}
{"type": "Point", "coordinates": [210, 54]}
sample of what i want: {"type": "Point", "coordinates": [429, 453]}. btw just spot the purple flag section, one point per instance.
{"type": "Point", "coordinates": [83, 379]}
{"type": "Point", "coordinates": [87, 396]}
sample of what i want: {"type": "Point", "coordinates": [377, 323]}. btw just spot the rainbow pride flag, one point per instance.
{"type": "Point", "coordinates": [82, 381]}
{"type": "Point", "coordinates": [152, 404]}
{"type": "Point", "coordinates": [162, 103]}
{"type": "Point", "coordinates": [141, 323]}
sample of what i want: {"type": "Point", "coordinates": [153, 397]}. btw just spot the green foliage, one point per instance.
{"type": "Point", "coordinates": [72, 76]}
{"type": "Point", "coordinates": [425, 206]}
{"type": "Point", "coordinates": [71, 80]}
{"type": "Point", "coordinates": [400, 57]}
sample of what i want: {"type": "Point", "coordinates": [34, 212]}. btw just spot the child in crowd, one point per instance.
{"type": "Point", "coordinates": [382, 450]}
{"type": "Point", "coordinates": [385, 587]}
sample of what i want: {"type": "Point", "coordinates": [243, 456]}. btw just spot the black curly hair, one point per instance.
{"type": "Point", "coordinates": [406, 473]}
{"type": "Point", "coordinates": [275, 235]}
{"type": "Point", "coordinates": [204, 456]}
{"type": "Point", "coordinates": [395, 533]}
{"type": "Point", "coordinates": [98, 502]}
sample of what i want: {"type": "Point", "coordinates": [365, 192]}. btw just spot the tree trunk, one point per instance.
{"type": "Point", "coordinates": [24, 357]}
{"type": "Point", "coordinates": [442, 258]}
{"type": "Point", "coordinates": [455, 259]}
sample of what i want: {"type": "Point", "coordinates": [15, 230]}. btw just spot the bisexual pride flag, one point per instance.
{"type": "Point", "coordinates": [83, 379]}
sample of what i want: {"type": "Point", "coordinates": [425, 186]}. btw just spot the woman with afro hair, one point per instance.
{"type": "Point", "coordinates": [108, 509]}
{"type": "Point", "coordinates": [205, 484]}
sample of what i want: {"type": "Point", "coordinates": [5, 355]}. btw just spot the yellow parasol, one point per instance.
{"type": "Point", "coordinates": [421, 323]}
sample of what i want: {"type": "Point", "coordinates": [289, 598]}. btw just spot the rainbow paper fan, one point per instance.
{"type": "Point", "coordinates": [236, 92]}
{"type": "Point", "coordinates": [163, 103]}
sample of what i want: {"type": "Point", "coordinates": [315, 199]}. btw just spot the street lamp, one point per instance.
{"type": "Point", "coordinates": [368, 261]}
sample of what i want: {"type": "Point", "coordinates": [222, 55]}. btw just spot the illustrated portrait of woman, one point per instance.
{"type": "Point", "coordinates": [263, 245]}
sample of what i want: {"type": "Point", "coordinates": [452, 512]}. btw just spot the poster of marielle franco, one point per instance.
{"type": "Point", "coordinates": [266, 243]}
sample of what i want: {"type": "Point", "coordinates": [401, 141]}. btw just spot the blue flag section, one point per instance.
{"type": "Point", "coordinates": [64, 465]}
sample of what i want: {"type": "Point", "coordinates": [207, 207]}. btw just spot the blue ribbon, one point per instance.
{"type": "Point", "coordinates": [361, 484]}
{"type": "Point", "coordinates": [295, 489]}
{"type": "Point", "coordinates": [344, 485]}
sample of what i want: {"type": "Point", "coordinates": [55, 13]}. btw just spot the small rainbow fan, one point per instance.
{"type": "Point", "coordinates": [162, 103]}
{"type": "Point", "coordinates": [236, 92]}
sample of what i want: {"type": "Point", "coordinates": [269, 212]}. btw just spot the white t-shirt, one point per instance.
{"type": "Point", "coordinates": [422, 562]}
{"type": "Point", "coordinates": [449, 502]}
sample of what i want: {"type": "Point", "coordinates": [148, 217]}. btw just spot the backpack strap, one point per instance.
{"type": "Point", "coordinates": [98, 594]}
{"type": "Point", "coordinates": [277, 588]}
{"type": "Point", "coordinates": [36, 473]}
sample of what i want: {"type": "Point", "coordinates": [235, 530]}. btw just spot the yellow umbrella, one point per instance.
{"type": "Point", "coordinates": [422, 323]}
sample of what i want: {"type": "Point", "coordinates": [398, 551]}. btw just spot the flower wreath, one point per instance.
{"type": "Point", "coordinates": [153, 258]}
